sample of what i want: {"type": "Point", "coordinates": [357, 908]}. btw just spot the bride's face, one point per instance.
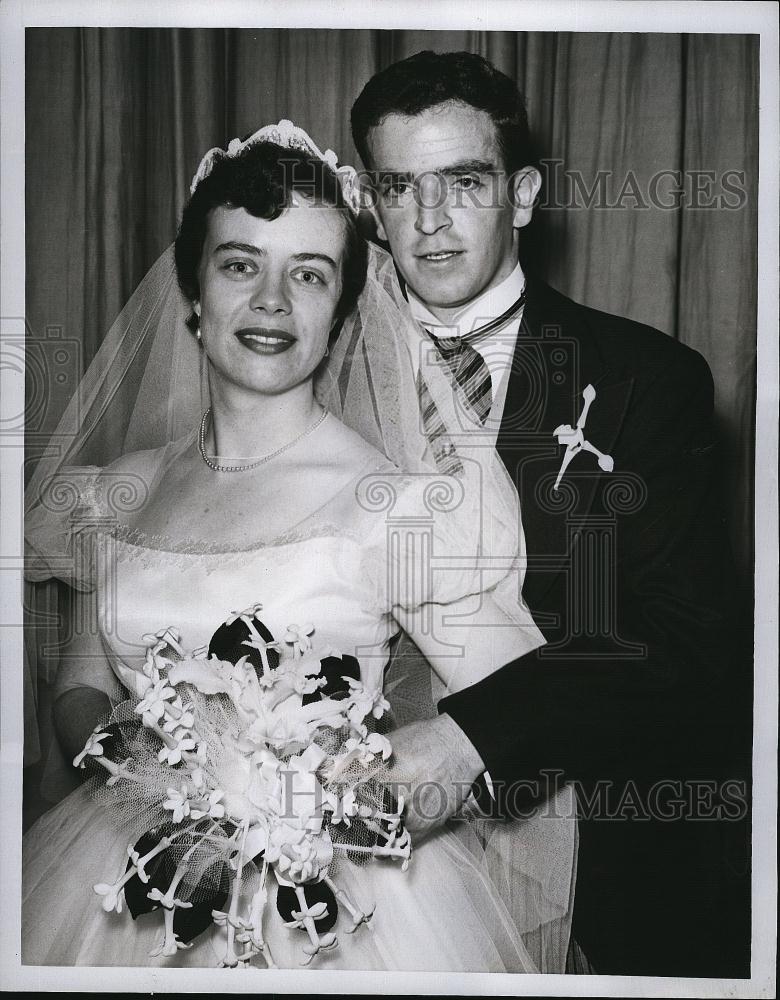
{"type": "Point", "coordinates": [268, 294]}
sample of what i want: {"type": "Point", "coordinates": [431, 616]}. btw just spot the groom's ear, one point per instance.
{"type": "Point", "coordinates": [369, 199]}
{"type": "Point", "coordinates": [525, 185]}
{"type": "Point", "coordinates": [380, 229]}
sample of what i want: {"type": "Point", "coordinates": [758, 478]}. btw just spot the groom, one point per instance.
{"type": "Point", "coordinates": [606, 427]}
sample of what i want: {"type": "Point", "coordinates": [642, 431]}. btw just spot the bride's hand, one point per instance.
{"type": "Point", "coordinates": [433, 767]}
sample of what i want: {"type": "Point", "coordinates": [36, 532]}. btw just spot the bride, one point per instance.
{"type": "Point", "coordinates": [270, 499]}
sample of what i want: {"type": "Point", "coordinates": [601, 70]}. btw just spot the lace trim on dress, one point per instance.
{"type": "Point", "coordinates": [146, 548]}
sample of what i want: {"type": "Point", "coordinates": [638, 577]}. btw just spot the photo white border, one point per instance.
{"type": "Point", "coordinates": [490, 15]}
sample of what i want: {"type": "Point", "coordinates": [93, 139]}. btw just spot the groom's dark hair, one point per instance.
{"type": "Point", "coordinates": [428, 79]}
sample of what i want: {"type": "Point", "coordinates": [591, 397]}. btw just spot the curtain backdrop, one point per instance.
{"type": "Point", "coordinates": [117, 120]}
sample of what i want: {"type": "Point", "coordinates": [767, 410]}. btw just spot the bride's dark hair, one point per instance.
{"type": "Point", "coordinates": [262, 179]}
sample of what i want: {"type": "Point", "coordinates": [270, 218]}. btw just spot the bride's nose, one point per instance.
{"type": "Point", "coordinates": [269, 293]}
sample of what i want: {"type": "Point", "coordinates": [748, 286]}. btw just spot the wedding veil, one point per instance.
{"type": "Point", "coordinates": [147, 387]}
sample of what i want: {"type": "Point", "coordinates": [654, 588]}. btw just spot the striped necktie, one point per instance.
{"type": "Point", "coordinates": [471, 381]}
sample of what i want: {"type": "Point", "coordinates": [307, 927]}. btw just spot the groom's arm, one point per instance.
{"type": "Point", "coordinates": [663, 714]}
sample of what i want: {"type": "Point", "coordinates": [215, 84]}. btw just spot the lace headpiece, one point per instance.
{"type": "Point", "coordinates": [285, 134]}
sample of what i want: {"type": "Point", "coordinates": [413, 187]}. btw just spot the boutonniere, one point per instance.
{"type": "Point", "coordinates": [574, 439]}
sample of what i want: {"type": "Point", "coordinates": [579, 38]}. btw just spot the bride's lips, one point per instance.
{"type": "Point", "coordinates": [265, 340]}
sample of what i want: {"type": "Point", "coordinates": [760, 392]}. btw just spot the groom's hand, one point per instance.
{"type": "Point", "coordinates": [433, 767]}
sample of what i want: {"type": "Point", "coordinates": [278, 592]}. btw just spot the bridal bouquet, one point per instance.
{"type": "Point", "coordinates": [249, 760]}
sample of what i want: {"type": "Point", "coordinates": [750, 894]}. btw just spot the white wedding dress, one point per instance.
{"type": "Point", "coordinates": [445, 913]}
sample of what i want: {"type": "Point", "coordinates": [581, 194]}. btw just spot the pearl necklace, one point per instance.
{"type": "Point", "coordinates": [260, 461]}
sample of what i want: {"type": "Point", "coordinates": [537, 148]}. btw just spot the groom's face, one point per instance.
{"type": "Point", "coordinates": [445, 203]}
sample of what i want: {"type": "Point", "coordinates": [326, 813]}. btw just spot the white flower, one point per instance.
{"type": "Point", "coordinates": [397, 845]}
{"type": "Point", "coordinates": [112, 895]}
{"type": "Point", "coordinates": [173, 754]}
{"type": "Point", "coordinates": [298, 637]}
{"type": "Point", "coordinates": [305, 919]}
{"type": "Point", "coordinates": [211, 807]}
{"type": "Point", "coordinates": [279, 729]}
{"type": "Point", "coordinates": [249, 613]}
{"type": "Point", "coordinates": [178, 803]}
{"type": "Point", "coordinates": [363, 702]}
{"type": "Point", "coordinates": [262, 646]}
{"type": "Point", "coordinates": [378, 744]}
{"type": "Point", "coordinates": [365, 749]}
{"type": "Point", "coordinates": [122, 771]}
{"type": "Point", "coordinates": [168, 899]}
{"type": "Point", "coordinates": [302, 675]}
{"type": "Point", "coordinates": [298, 854]}
{"type": "Point", "coordinates": [140, 861]}
{"type": "Point", "coordinates": [168, 636]}
{"type": "Point", "coordinates": [92, 748]}
{"type": "Point", "coordinates": [179, 714]}
{"type": "Point", "coordinates": [152, 705]}
{"type": "Point", "coordinates": [151, 666]}
{"type": "Point", "coordinates": [163, 650]}
{"type": "Point", "coordinates": [208, 676]}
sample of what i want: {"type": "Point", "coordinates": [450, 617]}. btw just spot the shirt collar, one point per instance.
{"type": "Point", "coordinates": [481, 310]}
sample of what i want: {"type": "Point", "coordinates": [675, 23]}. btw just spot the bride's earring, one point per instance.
{"type": "Point", "coordinates": [196, 316]}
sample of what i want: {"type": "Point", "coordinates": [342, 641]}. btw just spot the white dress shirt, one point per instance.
{"type": "Point", "coordinates": [497, 348]}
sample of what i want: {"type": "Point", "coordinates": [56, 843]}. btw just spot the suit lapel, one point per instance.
{"type": "Point", "coordinates": [554, 360]}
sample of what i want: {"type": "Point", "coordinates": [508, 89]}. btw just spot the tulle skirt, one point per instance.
{"type": "Point", "coordinates": [445, 913]}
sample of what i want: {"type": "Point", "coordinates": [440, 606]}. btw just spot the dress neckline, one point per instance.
{"type": "Point", "coordinates": [134, 538]}
{"type": "Point", "coordinates": [312, 525]}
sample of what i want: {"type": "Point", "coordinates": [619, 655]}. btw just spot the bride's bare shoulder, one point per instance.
{"type": "Point", "coordinates": [145, 464]}
{"type": "Point", "coordinates": [346, 447]}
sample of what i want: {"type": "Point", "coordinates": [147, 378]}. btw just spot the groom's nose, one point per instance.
{"type": "Point", "coordinates": [432, 205]}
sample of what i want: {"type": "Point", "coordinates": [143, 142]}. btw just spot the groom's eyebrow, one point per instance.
{"type": "Point", "coordinates": [467, 167]}
{"type": "Point", "coordinates": [457, 169]}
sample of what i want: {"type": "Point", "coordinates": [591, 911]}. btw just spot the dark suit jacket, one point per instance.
{"type": "Point", "coordinates": [644, 680]}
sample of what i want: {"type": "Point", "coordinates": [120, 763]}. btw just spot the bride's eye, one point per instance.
{"type": "Point", "coordinates": [238, 267]}
{"type": "Point", "coordinates": [308, 277]}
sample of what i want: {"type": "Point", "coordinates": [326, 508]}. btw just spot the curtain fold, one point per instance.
{"type": "Point", "coordinates": [118, 119]}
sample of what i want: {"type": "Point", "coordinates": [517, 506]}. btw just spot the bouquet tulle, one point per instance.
{"type": "Point", "coordinates": [248, 760]}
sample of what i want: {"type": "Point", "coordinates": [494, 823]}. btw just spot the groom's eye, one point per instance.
{"type": "Point", "coordinates": [466, 182]}
{"type": "Point", "coordinates": [395, 189]}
